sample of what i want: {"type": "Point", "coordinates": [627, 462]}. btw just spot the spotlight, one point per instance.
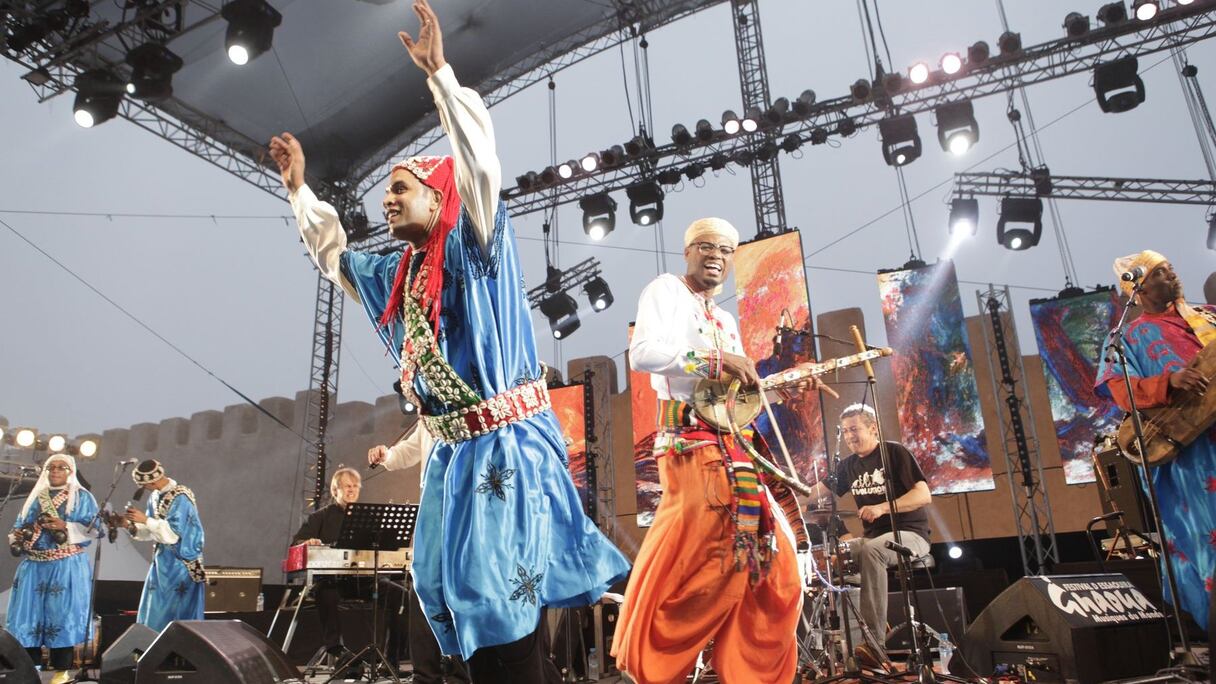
{"type": "Point", "coordinates": [1076, 24]}
{"type": "Point", "coordinates": [1112, 13]}
{"type": "Point", "coordinates": [26, 437]}
{"type": "Point", "coordinates": [744, 157]}
{"type": "Point", "coordinates": [751, 120]}
{"type": "Point", "coordinates": [599, 215]}
{"type": "Point", "coordinates": [613, 156]}
{"type": "Point", "coordinates": [598, 293]}
{"type": "Point", "coordinates": [567, 169]}
{"type": "Point", "coordinates": [638, 145]}
{"type": "Point", "coordinates": [527, 181]}
{"type": "Point", "coordinates": [645, 202]}
{"type": "Point", "coordinates": [56, 443]}
{"type": "Point", "coordinates": [694, 171]}
{"type": "Point", "coordinates": [1027, 214]}
{"type": "Point", "coordinates": [251, 25]}
{"type": "Point", "coordinates": [846, 127]}
{"type": "Point", "coordinates": [804, 103]}
{"type": "Point", "coordinates": [1118, 86]}
{"type": "Point", "coordinates": [718, 161]}
{"type": "Point", "coordinates": [767, 152]}
{"type": "Point", "coordinates": [1010, 43]}
{"type": "Point", "coordinates": [680, 135]}
{"type": "Point", "coordinates": [1145, 10]}
{"type": "Point", "coordinates": [25, 35]}
{"type": "Point", "coordinates": [951, 63]}
{"type": "Point", "coordinates": [98, 94]}
{"type": "Point", "coordinates": [860, 90]}
{"type": "Point", "coordinates": [955, 552]}
{"type": "Point", "coordinates": [957, 129]}
{"type": "Point", "coordinates": [730, 122]}
{"type": "Point", "coordinates": [88, 448]}
{"type": "Point", "coordinates": [562, 312]}
{"type": "Point", "coordinates": [152, 69]}
{"type": "Point", "coordinates": [775, 114]}
{"type": "Point", "coordinates": [978, 53]}
{"type": "Point", "coordinates": [548, 176]}
{"type": "Point", "coordinates": [964, 216]}
{"type": "Point", "coordinates": [668, 177]}
{"type": "Point", "coordinates": [900, 140]}
{"type": "Point", "coordinates": [892, 83]}
{"type": "Point", "coordinates": [918, 73]}
{"type": "Point", "coordinates": [819, 135]}
{"type": "Point", "coordinates": [791, 142]}
{"type": "Point", "coordinates": [590, 162]}
{"type": "Point", "coordinates": [705, 131]}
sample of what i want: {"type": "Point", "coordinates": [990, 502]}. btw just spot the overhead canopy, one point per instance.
{"type": "Point", "coordinates": [337, 76]}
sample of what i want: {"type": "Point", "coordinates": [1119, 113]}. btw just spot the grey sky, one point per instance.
{"type": "Point", "coordinates": [238, 294]}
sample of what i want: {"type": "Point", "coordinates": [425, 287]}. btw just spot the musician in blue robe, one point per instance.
{"type": "Point", "coordinates": [1161, 345]}
{"type": "Point", "coordinates": [53, 587]}
{"type": "Point", "coordinates": [176, 584]}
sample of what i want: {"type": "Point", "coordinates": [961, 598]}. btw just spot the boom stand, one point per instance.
{"type": "Point", "coordinates": [375, 527]}
{"type": "Point", "coordinates": [1118, 356]}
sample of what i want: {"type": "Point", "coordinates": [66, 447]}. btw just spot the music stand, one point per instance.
{"type": "Point", "coordinates": [375, 527]}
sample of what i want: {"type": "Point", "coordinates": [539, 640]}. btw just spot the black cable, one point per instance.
{"type": "Point", "coordinates": [625, 82]}
{"type": "Point", "coordinates": [882, 33]}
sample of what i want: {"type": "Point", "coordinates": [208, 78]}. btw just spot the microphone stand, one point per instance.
{"type": "Point", "coordinates": [1115, 344]}
{"type": "Point", "coordinates": [94, 524]}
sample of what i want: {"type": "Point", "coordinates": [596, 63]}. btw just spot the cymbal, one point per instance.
{"type": "Point", "coordinates": [822, 515]}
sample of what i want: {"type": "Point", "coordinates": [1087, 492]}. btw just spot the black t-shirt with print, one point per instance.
{"type": "Point", "coordinates": [863, 477]}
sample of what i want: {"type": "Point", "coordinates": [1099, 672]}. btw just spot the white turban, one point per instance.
{"type": "Point", "coordinates": [711, 226]}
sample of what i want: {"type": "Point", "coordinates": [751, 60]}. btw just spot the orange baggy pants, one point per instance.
{"type": "Point", "coordinates": [685, 591]}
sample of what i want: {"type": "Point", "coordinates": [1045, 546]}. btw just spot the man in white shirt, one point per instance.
{"type": "Point", "coordinates": [718, 563]}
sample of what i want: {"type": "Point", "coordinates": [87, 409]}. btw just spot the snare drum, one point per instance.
{"type": "Point", "coordinates": [839, 559]}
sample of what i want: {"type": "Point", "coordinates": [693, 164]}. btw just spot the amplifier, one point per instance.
{"type": "Point", "coordinates": [942, 610]}
{"type": "Point", "coordinates": [233, 590]}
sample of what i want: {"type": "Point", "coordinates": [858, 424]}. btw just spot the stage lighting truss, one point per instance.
{"type": "Point", "coordinates": [983, 74]}
{"type": "Point", "coordinates": [552, 297]}
{"type": "Point", "coordinates": [1152, 190]}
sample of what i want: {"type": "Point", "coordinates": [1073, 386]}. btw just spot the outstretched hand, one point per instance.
{"type": "Point", "coordinates": [287, 153]}
{"type": "Point", "coordinates": [427, 50]}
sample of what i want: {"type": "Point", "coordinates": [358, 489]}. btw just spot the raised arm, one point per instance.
{"type": "Point", "coordinates": [466, 121]}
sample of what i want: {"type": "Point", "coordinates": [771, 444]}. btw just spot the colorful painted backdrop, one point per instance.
{"type": "Point", "coordinates": [933, 369]}
{"type": "Point", "coordinates": [1071, 333]}
{"type": "Point", "coordinates": [645, 405]}
{"type": "Point", "coordinates": [568, 405]}
{"type": "Point", "coordinates": [770, 280]}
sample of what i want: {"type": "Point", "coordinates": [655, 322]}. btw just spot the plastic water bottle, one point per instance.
{"type": "Point", "coordinates": [261, 601]}
{"type": "Point", "coordinates": [946, 650]}
{"type": "Point", "coordinates": [593, 665]}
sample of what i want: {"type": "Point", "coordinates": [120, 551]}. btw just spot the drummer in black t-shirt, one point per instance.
{"type": "Point", "coordinates": [861, 474]}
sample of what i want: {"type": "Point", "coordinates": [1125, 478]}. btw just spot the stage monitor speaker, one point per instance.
{"type": "Point", "coordinates": [1087, 628]}
{"type": "Point", "coordinates": [213, 652]}
{"type": "Point", "coordinates": [1119, 489]}
{"type": "Point", "coordinates": [942, 610]}
{"type": "Point", "coordinates": [15, 664]}
{"type": "Point", "coordinates": [119, 660]}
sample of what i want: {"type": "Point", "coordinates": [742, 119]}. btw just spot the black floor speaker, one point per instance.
{"type": "Point", "coordinates": [1087, 628]}
{"type": "Point", "coordinates": [15, 664]}
{"type": "Point", "coordinates": [942, 610]}
{"type": "Point", "coordinates": [119, 660]}
{"type": "Point", "coordinates": [213, 652]}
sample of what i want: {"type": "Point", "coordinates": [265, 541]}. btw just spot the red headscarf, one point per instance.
{"type": "Point", "coordinates": [437, 173]}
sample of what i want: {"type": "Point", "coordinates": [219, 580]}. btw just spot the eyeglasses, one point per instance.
{"type": "Point", "coordinates": [709, 248]}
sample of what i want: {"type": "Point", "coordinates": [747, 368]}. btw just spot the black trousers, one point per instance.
{"type": "Point", "coordinates": [329, 595]}
{"type": "Point", "coordinates": [430, 665]}
{"type": "Point", "coordinates": [525, 661]}
{"type": "Point", "coordinates": [61, 658]}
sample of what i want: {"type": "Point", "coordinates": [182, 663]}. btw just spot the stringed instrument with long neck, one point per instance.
{"type": "Point", "coordinates": [1170, 429]}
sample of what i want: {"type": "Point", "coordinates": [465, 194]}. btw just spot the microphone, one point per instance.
{"type": "Point", "coordinates": [129, 461]}
{"type": "Point", "coordinates": [899, 548]}
{"type": "Point", "coordinates": [839, 433]}
{"type": "Point", "coordinates": [139, 494]}
{"type": "Point", "coordinates": [783, 324]}
{"type": "Point", "coordinates": [1133, 275]}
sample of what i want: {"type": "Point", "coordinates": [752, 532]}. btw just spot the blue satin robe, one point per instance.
{"type": "Point", "coordinates": [49, 605]}
{"type": "Point", "coordinates": [501, 530]}
{"type": "Point", "coordinates": [169, 594]}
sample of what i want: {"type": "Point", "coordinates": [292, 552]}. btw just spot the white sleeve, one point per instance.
{"type": "Point", "coordinates": [78, 533]}
{"type": "Point", "coordinates": [411, 451]}
{"type": "Point", "coordinates": [321, 230]}
{"type": "Point", "coordinates": [657, 347]}
{"type": "Point", "coordinates": [478, 172]}
{"type": "Point", "coordinates": [156, 530]}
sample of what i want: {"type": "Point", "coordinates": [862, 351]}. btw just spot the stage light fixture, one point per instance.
{"type": "Point", "coordinates": [669, 177]}
{"type": "Point", "coordinates": [951, 63]}
{"type": "Point", "coordinates": [805, 102]}
{"type": "Point", "coordinates": [892, 83]}
{"type": "Point", "coordinates": [819, 135]}
{"type": "Point", "coordinates": [957, 129]}
{"type": "Point", "coordinates": [964, 216]}
{"type": "Point", "coordinates": [918, 73]}
{"type": "Point", "coordinates": [680, 135]}
{"type": "Point", "coordinates": [26, 437]}
{"type": "Point", "coordinates": [152, 69]}
{"type": "Point", "coordinates": [978, 53]}
{"type": "Point", "coordinates": [613, 156]}
{"type": "Point", "coordinates": [527, 181]}
{"type": "Point", "coordinates": [955, 552]}
{"type": "Point", "coordinates": [718, 161]}
{"type": "Point", "coordinates": [1076, 24]}
{"type": "Point", "coordinates": [1145, 10]}
{"type": "Point", "coordinates": [638, 146]}
{"type": "Point", "coordinates": [694, 171]}
{"type": "Point", "coordinates": [598, 293]}
{"type": "Point", "coordinates": [730, 122]}
{"type": "Point", "coordinates": [744, 157]}
{"type": "Point", "coordinates": [767, 152]}
{"type": "Point", "coordinates": [791, 142]}
{"type": "Point", "coordinates": [87, 448]}
{"type": "Point", "coordinates": [846, 127]}
{"type": "Point", "coordinates": [562, 312]}
{"type": "Point", "coordinates": [705, 130]}
{"type": "Point", "coordinates": [25, 35]}
{"type": "Point", "coordinates": [777, 112]}
{"type": "Point", "coordinates": [900, 140]}
{"type": "Point", "coordinates": [751, 120]}
{"type": "Point", "coordinates": [98, 95]}
{"type": "Point", "coordinates": [590, 161]}
{"type": "Point", "coordinates": [56, 443]}
{"type": "Point", "coordinates": [1118, 86]}
{"type": "Point", "coordinates": [1026, 215]}
{"type": "Point", "coordinates": [1010, 43]}
{"type": "Point", "coordinates": [1112, 13]}
{"type": "Point", "coordinates": [860, 90]}
{"type": "Point", "coordinates": [645, 202]}
{"type": "Point", "coordinates": [599, 215]}
{"type": "Point", "coordinates": [251, 25]}
{"type": "Point", "coordinates": [548, 176]}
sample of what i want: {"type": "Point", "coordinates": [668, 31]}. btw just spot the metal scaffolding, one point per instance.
{"type": "Point", "coordinates": [1164, 191]}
